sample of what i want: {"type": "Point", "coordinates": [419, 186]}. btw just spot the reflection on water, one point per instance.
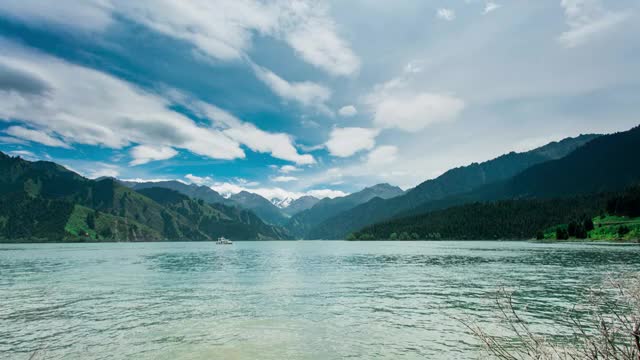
{"type": "Point", "coordinates": [275, 300]}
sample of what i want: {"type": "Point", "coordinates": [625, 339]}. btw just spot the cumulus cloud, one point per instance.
{"type": "Point", "coordinates": [198, 180]}
{"type": "Point", "coordinates": [446, 14]}
{"type": "Point", "coordinates": [395, 104]}
{"type": "Point", "coordinates": [279, 145]}
{"type": "Point", "coordinates": [587, 19]}
{"type": "Point", "coordinates": [348, 111]}
{"type": "Point", "coordinates": [414, 111]}
{"type": "Point", "coordinates": [285, 169]}
{"type": "Point", "coordinates": [143, 154]}
{"type": "Point", "coordinates": [85, 106]}
{"type": "Point", "coordinates": [344, 142]}
{"type": "Point", "coordinates": [306, 93]}
{"type": "Point", "coordinates": [37, 136]}
{"type": "Point", "coordinates": [382, 155]}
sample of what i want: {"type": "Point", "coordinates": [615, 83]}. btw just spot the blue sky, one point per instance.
{"type": "Point", "coordinates": [286, 98]}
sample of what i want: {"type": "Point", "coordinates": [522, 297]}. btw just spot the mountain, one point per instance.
{"type": "Point", "coordinates": [300, 204]}
{"type": "Point", "coordinates": [43, 201]}
{"type": "Point", "coordinates": [507, 219]}
{"type": "Point", "coordinates": [268, 212]}
{"type": "Point", "coordinates": [604, 165]}
{"type": "Point", "coordinates": [456, 181]}
{"type": "Point", "coordinates": [281, 203]}
{"type": "Point", "coordinates": [204, 193]}
{"type": "Point", "coordinates": [216, 218]}
{"type": "Point", "coordinates": [302, 223]}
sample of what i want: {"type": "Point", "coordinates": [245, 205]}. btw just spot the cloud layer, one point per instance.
{"type": "Point", "coordinates": [85, 106]}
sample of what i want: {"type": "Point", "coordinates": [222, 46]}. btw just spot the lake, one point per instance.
{"type": "Point", "coordinates": [281, 300]}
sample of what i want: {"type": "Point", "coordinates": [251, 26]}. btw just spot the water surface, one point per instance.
{"type": "Point", "coordinates": [277, 300]}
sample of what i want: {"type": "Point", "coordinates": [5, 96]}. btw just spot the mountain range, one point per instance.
{"type": "Point", "coordinates": [579, 182]}
{"type": "Point", "coordinates": [456, 181]}
{"type": "Point", "coordinates": [43, 201]}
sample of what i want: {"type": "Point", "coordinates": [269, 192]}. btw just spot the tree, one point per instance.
{"type": "Point", "coordinates": [540, 235]}
{"type": "Point", "coordinates": [623, 230]}
{"type": "Point", "coordinates": [415, 236]}
{"type": "Point", "coordinates": [91, 220]}
{"type": "Point", "coordinates": [393, 236]}
{"type": "Point", "coordinates": [562, 234]}
{"type": "Point", "coordinates": [588, 224]}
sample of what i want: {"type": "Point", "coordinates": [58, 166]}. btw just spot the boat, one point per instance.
{"type": "Point", "coordinates": [223, 241]}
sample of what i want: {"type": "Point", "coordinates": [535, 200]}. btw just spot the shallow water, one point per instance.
{"type": "Point", "coordinates": [277, 300]}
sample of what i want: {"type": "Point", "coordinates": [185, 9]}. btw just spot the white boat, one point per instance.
{"type": "Point", "coordinates": [223, 241]}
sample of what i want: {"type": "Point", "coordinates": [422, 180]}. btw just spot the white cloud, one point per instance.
{"type": "Point", "coordinates": [103, 170]}
{"type": "Point", "coordinates": [143, 154]}
{"type": "Point", "coordinates": [199, 180]}
{"type": "Point", "coordinates": [279, 145]}
{"type": "Point", "coordinates": [285, 169]}
{"type": "Point", "coordinates": [382, 155]}
{"type": "Point", "coordinates": [586, 19]}
{"type": "Point", "coordinates": [144, 180]}
{"type": "Point", "coordinates": [86, 15]}
{"type": "Point", "coordinates": [37, 136]}
{"type": "Point", "coordinates": [446, 14]}
{"type": "Point", "coordinates": [12, 140]}
{"type": "Point", "coordinates": [227, 189]}
{"type": "Point", "coordinates": [326, 193]}
{"type": "Point", "coordinates": [344, 142]}
{"type": "Point", "coordinates": [414, 111]}
{"type": "Point", "coordinates": [395, 104]}
{"type": "Point", "coordinates": [73, 104]}
{"type": "Point", "coordinates": [220, 29]}
{"type": "Point", "coordinates": [25, 154]}
{"type": "Point", "coordinates": [491, 6]}
{"type": "Point", "coordinates": [284, 178]}
{"type": "Point", "coordinates": [308, 29]}
{"type": "Point", "coordinates": [306, 93]}
{"type": "Point", "coordinates": [348, 111]}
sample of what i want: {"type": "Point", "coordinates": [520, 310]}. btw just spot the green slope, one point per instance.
{"type": "Point", "coordinates": [216, 219]}
{"type": "Point", "coordinates": [42, 201]}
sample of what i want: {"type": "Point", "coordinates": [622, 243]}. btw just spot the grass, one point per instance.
{"type": "Point", "coordinates": [107, 227]}
{"type": "Point", "coordinates": [606, 229]}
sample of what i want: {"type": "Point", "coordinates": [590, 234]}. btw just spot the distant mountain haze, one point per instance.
{"type": "Point", "coordinates": [302, 223]}
{"type": "Point", "coordinates": [261, 206]}
{"type": "Point", "coordinates": [300, 204]}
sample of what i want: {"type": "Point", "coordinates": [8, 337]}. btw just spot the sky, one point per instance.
{"type": "Point", "coordinates": [295, 97]}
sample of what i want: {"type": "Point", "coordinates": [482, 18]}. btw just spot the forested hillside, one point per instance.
{"type": "Point", "coordinates": [43, 201]}
{"type": "Point", "coordinates": [453, 182]}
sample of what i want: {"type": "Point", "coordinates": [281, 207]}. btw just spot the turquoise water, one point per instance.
{"type": "Point", "coordinates": [280, 300]}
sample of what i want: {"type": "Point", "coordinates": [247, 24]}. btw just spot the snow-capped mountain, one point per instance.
{"type": "Point", "coordinates": [282, 203]}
